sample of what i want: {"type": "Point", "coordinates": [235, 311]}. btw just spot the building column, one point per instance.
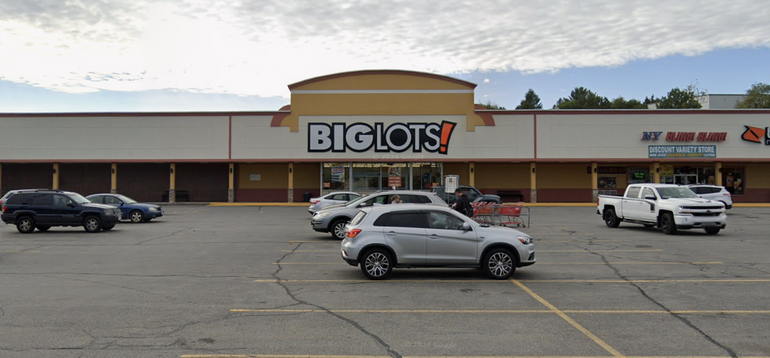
{"type": "Point", "coordinates": [55, 184]}
{"type": "Point", "coordinates": [533, 182]}
{"type": "Point", "coordinates": [114, 178]}
{"type": "Point", "coordinates": [718, 173]}
{"type": "Point", "coordinates": [231, 183]}
{"type": "Point", "coordinates": [172, 183]}
{"type": "Point", "coordinates": [656, 172]}
{"type": "Point", "coordinates": [291, 183]}
{"type": "Point", "coordinates": [471, 174]}
{"type": "Point", "coordinates": [594, 181]}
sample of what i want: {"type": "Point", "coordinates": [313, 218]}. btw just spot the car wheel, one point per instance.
{"type": "Point", "coordinates": [136, 216]}
{"type": "Point", "coordinates": [499, 263]}
{"type": "Point", "coordinates": [610, 218]}
{"type": "Point", "coordinates": [92, 224]}
{"type": "Point", "coordinates": [338, 228]}
{"type": "Point", "coordinates": [43, 227]}
{"type": "Point", "coordinates": [25, 225]}
{"type": "Point", "coordinates": [668, 224]}
{"type": "Point", "coordinates": [377, 264]}
{"type": "Point", "coordinates": [712, 230]}
{"type": "Point", "coordinates": [108, 228]}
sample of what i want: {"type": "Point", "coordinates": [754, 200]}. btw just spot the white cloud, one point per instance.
{"type": "Point", "coordinates": [258, 48]}
{"type": "Point", "coordinates": [486, 80]}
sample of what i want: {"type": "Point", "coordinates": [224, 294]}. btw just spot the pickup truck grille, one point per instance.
{"type": "Point", "coordinates": [703, 207]}
{"type": "Point", "coordinates": [706, 214]}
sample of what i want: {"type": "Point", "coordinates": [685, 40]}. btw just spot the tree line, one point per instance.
{"type": "Point", "coordinates": [758, 96]}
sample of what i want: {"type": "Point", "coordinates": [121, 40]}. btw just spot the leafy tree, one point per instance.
{"type": "Point", "coordinates": [491, 105]}
{"type": "Point", "coordinates": [582, 98]}
{"type": "Point", "coordinates": [756, 97]}
{"type": "Point", "coordinates": [531, 101]}
{"type": "Point", "coordinates": [681, 98]}
{"type": "Point", "coordinates": [621, 103]}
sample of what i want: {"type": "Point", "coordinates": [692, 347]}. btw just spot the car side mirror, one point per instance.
{"type": "Point", "coordinates": [71, 205]}
{"type": "Point", "coordinates": [650, 197]}
{"type": "Point", "coordinates": [466, 227]}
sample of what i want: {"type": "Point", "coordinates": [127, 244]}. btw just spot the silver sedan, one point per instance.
{"type": "Point", "coordinates": [383, 237]}
{"type": "Point", "coordinates": [338, 197]}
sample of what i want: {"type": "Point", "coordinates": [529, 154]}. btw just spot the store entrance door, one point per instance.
{"type": "Point", "coordinates": [685, 179]}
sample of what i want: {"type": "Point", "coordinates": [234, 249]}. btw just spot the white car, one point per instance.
{"type": "Point", "coordinates": [713, 192]}
{"type": "Point", "coordinates": [337, 197]}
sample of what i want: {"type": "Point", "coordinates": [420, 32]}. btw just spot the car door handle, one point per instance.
{"type": "Point", "coordinates": [433, 236]}
{"type": "Point", "coordinates": [391, 233]}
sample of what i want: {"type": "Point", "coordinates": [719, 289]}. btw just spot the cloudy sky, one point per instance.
{"type": "Point", "coordinates": [214, 55]}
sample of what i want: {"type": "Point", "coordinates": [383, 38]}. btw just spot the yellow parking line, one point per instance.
{"type": "Point", "coordinates": [417, 280]}
{"type": "Point", "coordinates": [560, 251]}
{"type": "Point", "coordinates": [684, 312]}
{"type": "Point", "coordinates": [569, 320]}
{"type": "Point", "coordinates": [543, 263]}
{"type": "Point", "coordinates": [352, 356]}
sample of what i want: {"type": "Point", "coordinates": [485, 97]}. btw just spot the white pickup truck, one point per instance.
{"type": "Point", "coordinates": [668, 206]}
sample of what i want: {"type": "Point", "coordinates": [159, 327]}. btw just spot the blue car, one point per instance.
{"type": "Point", "coordinates": [130, 208]}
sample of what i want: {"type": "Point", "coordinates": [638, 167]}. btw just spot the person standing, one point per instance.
{"type": "Point", "coordinates": [462, 205]}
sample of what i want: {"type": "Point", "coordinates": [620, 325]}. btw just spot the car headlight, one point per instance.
{"type": "Point", "coordinates": [152, 208]}
{"type": "Point", "coordinates": [685, 210]}
{"type": "Point", "coordinates": [526, 240]}
{"type": "Point", "coordinates": [321, 215]}
{"type": "Point", "coordinates": [108, 211]}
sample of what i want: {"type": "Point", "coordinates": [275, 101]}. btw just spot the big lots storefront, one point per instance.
{"type": "Point", "coordinates": [373, 130]}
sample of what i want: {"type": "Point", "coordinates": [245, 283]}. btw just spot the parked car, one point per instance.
{"type": "Point", "coordinates": [668, 206]}
{"type": "Point", "coordinates": [470, 192]}
{"type": "Point", "coordinates": [713, 192]}
{"type": "Point", "coordinates": [11, 192]}
{"type": "Point", "coordinates": [129, 208]}
{"type": "Point", "coordinates": [338, 197]}
{"type": "Point", "coordinates": [381, 238]}
{"type": "Point", "coordinates": [333, 219]}
{"type": "Point", "coordinates": [488, 198]}
{"type": "Point", "coordinates": [43, 209]}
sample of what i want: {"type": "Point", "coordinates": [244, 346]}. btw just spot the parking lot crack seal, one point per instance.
{"type": "Point", "coordinates": [164, 236]}
{"type": "Point", "coordinates": [351, 322]}
{"type": "Point", "coordinates": [670, 312]}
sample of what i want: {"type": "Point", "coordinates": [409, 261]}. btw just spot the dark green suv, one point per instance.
{"type": "Point", "coordinates": [42, 209]}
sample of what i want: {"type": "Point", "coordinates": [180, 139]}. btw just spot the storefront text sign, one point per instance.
{"type": "Point", "coordinates": [397, 137]}
{"type": "Point", "coordinates": [756, 135]}
{"type": "Point", "coordinates": [686, 136]}
{"type": "Point", "coordinates": [682, 151]}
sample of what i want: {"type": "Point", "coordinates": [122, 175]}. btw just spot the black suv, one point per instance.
{"type": "Point", "coordinates": [41, 209]}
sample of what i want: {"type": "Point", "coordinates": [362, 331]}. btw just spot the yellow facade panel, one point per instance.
{"type": "Point", "coordinates": [381, 82]}
{"type": "Point", "coordinates": [264, 176]}
{"type": "Point", "coordinates": [502, 175]}
{"type": "Point", "coordinates": [461, 169]}
{"type": "Point", "coordinates": [563, 176]}
{"type": "Point", "coordinates": [758, 176]}
{"type": "Point", "coordinates": [307, 175]}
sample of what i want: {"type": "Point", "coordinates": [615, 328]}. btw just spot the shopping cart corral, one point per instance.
{"type": "Point", "coordinates": [501, 214]}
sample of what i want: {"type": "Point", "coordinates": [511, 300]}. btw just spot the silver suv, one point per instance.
{"type": "Point", "coordinates": [713, 192]}
{"type": "Point", "coordinates": [384, 237]}
{"type": "Point", "coordinates": [333, 218]}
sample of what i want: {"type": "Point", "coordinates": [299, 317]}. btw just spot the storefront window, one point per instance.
{"type": "Point", "coordinates": [371, 177]}
{"type": "Point", "coordinates": [687, 175]}
{"type": "Point", "coordinates": [733, 180]}
{"type": "Point", "coordinates": [425, 175]}
{"type": "Point", "coordinates": [639, 175]}
{"type": "Point", "coordinates": [335, 177]}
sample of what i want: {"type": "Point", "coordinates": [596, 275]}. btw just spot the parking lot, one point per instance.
{"type": "Point", "coordinates": [209, 281]}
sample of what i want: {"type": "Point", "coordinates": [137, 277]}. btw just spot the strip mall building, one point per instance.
{"type": "Point", "coordinates": [370, 130]}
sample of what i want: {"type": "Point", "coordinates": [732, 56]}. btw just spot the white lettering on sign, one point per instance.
{"type": "Point", "coordinates": [398, 137]}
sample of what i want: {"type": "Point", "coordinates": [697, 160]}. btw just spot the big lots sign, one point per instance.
{"type": "Point", "coordinates": [397, 137]}
{"type": "Point", "coordinates": [686, 136]}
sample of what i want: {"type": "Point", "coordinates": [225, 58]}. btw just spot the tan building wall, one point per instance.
{"type": "Point", "coordinates": [502, 176]}
{"type": "Point", "coordinates": [461, 169]}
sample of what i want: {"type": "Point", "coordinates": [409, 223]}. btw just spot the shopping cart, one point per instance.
{"type": "Point", "coordinates": [500, 214]}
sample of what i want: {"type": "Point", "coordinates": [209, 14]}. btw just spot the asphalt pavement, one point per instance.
{"type": "Point", "coordinates": [255, 281]}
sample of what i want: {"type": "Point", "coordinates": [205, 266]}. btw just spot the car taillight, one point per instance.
{"type": "Point", "coordinates": [4, 207]}
{"type": "Point", "coordinates": [314, 201]}
{"type": "Point", "coordinates": [726, 194]}
{"type": "Point", "coordinates": [352, 233]}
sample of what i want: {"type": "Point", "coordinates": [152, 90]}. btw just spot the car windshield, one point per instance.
{"type": "Point", "coordinates": [78, 198]}
{"type": "Point", "coordinates": [126, 199]}
{"type": "Point", "coordinates": [358, 200]}
{"type": "Point", "coordinates": [676, 192]}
